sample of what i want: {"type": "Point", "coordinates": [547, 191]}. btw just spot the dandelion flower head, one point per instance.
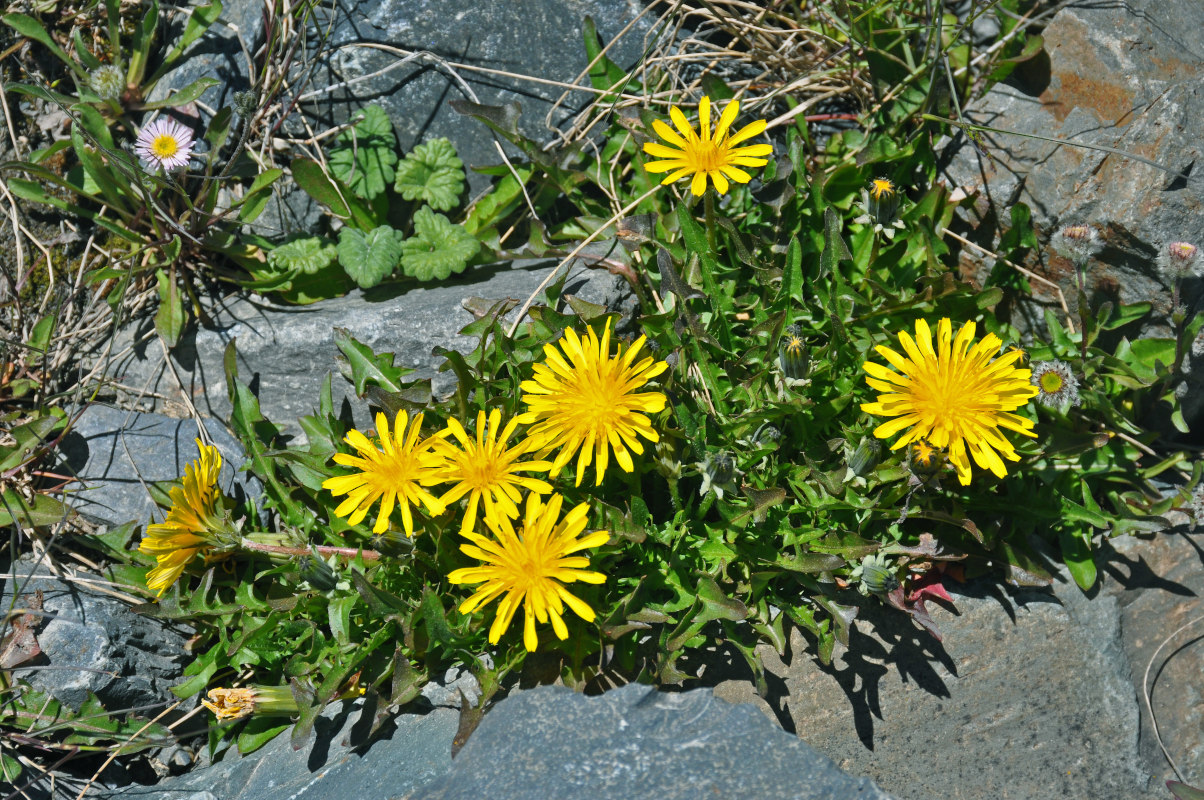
{"type": "Point", "coordinates": [530, 567]}
{"type": "Point", "coordinates": [486, 469]}
{"type": "Point", "coordinates": [164, 143]}
{"type": "Point", "coordinates": [394, 473]}
{"type": "Point", "coordinates": [703, 154]}
{"type": "Point", "coordinates": [193, 522]}
{"type": "Point", "coordinates": [956, 395]}
{"type": "Point", "coordinates": [582, 400]}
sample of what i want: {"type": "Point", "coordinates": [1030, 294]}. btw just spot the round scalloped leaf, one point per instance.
{"type": "Point", "coordinates": [438, 247]}
{"type": "Point", "coordinates": [370, 257]}
{"type": "Point", "coordinates": [364, 157]}
{"type": "Point", "coordinates": [432, 173]}
{"type": "Point", "coordinates": [307, 255]}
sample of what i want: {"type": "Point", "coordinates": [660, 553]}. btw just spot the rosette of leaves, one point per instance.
{"type": "Point", "coordinates": [308, 255]}
{"type": "Point", "coordinates": [438, 247]}
{"type": "Point", "coordinates": [364, 157]}
{"type": "Point", "coordinates": [369, 257]}
{"type": "Point", "coordinates": [433, 174]}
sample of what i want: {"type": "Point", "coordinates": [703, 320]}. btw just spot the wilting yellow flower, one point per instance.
{"type": "Point", "coordinates": [530, 567]}
{"type": "Point", "coordinates": [228, 704]}
{"type": "Point", "coordinates": [701, 154]}
{"type": "Point", "coordinates": [484, 469]}
{"type": "Point", "coordinates": [588, 402]}
{"type": "Point", "coordinates": [393, 473]}
{"type": "Point", "coordinates": [955, 396]}
{"type": "Point", "coordinates": [193, 522]}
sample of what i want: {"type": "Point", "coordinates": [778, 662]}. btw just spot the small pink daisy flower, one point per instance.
{"type": "Point", "coordinates": [164, 143]}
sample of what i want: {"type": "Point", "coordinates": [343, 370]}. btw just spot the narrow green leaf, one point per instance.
{"type": "Point", "coordinates": [169, 319]}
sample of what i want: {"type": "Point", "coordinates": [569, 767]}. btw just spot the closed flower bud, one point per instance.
{"type": "Point", "coordinates": [317, 573]}
{"type": "Point", "coordinates": [875, 575]}
{"type": "Point", "coordinates": [718, 474]}
{"type": "Point", "coordinates": [245, 103]}
{"type": "Point", "coordinates": [865, 457]}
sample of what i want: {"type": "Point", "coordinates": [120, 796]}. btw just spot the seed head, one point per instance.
{"type": "Point", "coordinates": [108, 81]}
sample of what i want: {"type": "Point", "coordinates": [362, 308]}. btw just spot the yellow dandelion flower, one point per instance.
{"type": "Point", "coordinates": [956, 397]}
{"type": "Point", "coordinates": [588, 402]}
{"type": "Point", "coordinates": [705, 155]}
{"type": "Point", "coordinates": [485, 469]}
{"type": "Point", "coordinates": [193, 522]}
{"type": "Point", "coordinates": [393, 473]}
{"type": "Point", "coordinates": [530, 568]}
{"type": "Point", "coordinates": [880, 188]}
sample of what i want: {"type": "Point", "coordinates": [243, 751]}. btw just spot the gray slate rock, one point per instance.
{"type": "Point", "coordinates": [1119, 75]}
{"type": "Point", "coordinates": [1029, 696]}
{"type": "Point", "coordinates": [538, 38]}
{"type": "Point", "coordinates": [1158, 584]}
{"type": "Point", "coordinates": [636, 742]}
{"type": "Point", "coordinates": [93, 642]}
{"type": "Point", "coordinates": [285, 352]}
{"type": "Point", "coordinates": [114, 452]}
{"type": "Point", "coordinates": [415, 751]}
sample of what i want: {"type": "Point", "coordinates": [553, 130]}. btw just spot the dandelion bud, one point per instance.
{"type": "Point", "coordinates": [718, 474]}
{"type": "Point", "coordinates": [1076, 242]}
{"type": "Point", "coordinates": [1057, 387]}
{"type": "Point", "coordinates": [865, 457]}
{"type": "Point", "coordinates": [317, 573]}
{"type": "Point", "coordinates": [766, 435]}
{"type": "Point", "coordinates": [875, 575]}
{"type": "Point", "coordinates": [230, 704]}
{"type": "Point", "coordinates": [1178, 259]}
{"type": "Point", "coordinates": [391, 543]}
{"type": "Point", "coordinates": [793, 355]}
{"type": "Point", "coordinates": [245, 103]}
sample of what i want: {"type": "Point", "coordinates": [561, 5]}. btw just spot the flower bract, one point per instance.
{"type": "Point", "coordinates": [703, 154]}
{"type": "Point", "coordinates": [164, 143]}
{"type": "Point", "coordinates": [530, 567]}
{"type": "Point", "coordinates": [956, 395]}
{"type": "Point", "coordinates": [394, 473]}
{"type": "Point", "coordinates": [193, 522]}
{"type": "Point", "coordinates": [581, 399]}
{"type": "Point", "coordinates": [486, 470]}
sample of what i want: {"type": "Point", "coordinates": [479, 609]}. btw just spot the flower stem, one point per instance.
{"type": "Point", "coordinates": [346, 553]}
{"type": "Point", "coordinates": [708, 205]}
